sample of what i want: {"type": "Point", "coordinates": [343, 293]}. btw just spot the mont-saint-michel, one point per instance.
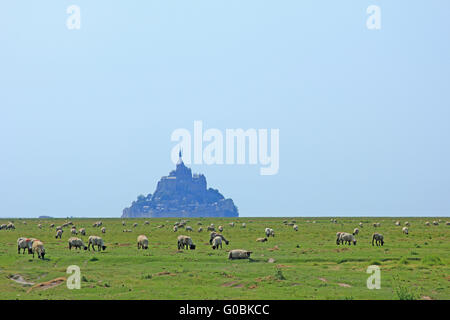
{"type": "Point", "coordinates": [182, 194]}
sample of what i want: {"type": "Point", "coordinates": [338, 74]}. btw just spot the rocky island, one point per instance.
{"type": "Point", "coordinates": [182, 194]}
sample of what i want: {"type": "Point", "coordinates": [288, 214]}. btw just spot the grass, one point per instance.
{"type": "Point", "coordinates": [305, 265]}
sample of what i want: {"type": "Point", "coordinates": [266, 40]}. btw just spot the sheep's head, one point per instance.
{"type": "Point", "coordinates": [104, 248]}
{"type": "Point", "coordinates": [227, 242]}
{"type": "Point", "coordinates": [192, 246]}
{"type": "Point", "coordinates": [85, 248]}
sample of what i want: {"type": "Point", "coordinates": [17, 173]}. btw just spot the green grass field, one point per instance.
{"type": "Point", "coordinates": [308, 263]}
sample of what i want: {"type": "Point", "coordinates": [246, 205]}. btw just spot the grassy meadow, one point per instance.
{"type": "Point", "coordinates": [293, 265]}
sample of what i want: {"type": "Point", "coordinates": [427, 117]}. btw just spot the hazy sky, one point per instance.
{"type": "Point", "coordinates": [364, 115]}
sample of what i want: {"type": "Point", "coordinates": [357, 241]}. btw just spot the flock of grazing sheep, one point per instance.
{"type": "Point", "coordinates": [35, 246]}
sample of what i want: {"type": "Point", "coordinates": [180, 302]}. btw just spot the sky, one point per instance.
{"type": "Point", "coordinates": [86, 115]}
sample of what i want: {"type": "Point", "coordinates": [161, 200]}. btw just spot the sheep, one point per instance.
{"type": "Point", "coordinates": [200, 229]}
{"type": "Point", "coordinates": [239, 254]}
{"type": "Point", "coordinates": [405, 230]}
{"type": "Point", "coordinates": [103, 230]}
{"type": "Point", "coordinates": [435, 223]}
{"type": "Point", "coordinates": [10, 226]}
{"type": "Point", "coordinates": [397, 223]}
{"type": "Point", "coordinates": [217, 241]}
{"type": "Point", "coordinates": [96, 241]}
{"type": "Point", "coordinates": [215, 234]}
{"type": "Point", "coordinates": [39, 226]}
{"type": "Point", "coordinates": [3, 226]}
{"type": "Point", "coordinates": [378, 238]}
{"type": "Point", "coordinates": [348, 238]}
{"type": "Point", "coordinates": [447, 223]}
{"type": "Point", "coordinates": [427, 223]}
{"type": "Point", "coordinates": [243, 225]}
{"type": "Point", "coordinates": [95, 225]}
{"type": "Point", "coordinates": [59, 233]}
{"type": "Point", "coordinates": [360, 224]}
{"type": "Point", "coordinates": [189, 228]}
{"type": "Point", "coordinates": [231, 224]}
{"type": "Point", "coordinates": [377, 224]}
{"type": "Point", "coordinates": [52, 225]}
{"type": "Point", "coordinates": [290, 224]}
{"type": "Point", "coordinates": [175, 229]}
{"type": "Point", "coordinates": [185, 242]}
{"type": "Point", "coordinates": [160, 226]}
{"type": "Point", "coordinates": [135, 225]}
{"type": "Point", "coordinates": [261, 239]}
{"type": "Point", "coordinates": [269, 232]}
{"type": "Point", "coordinates": [24, 243]}
{"type": "Point", "coordinates": [338, 237]}
{"type": "Point", "coordinates": [295, 227]}
{"type": "Point", "coordinates": [25, 223]}
{"type": "Point", "coordinates": [126, 230]}
{"type": "Point", "coordinates": [199, 223]}
{"type": "Point", "coordinates": [356, 231]}
{"type": "Point", "coordinates": [82, 231]}
{"type": "Point", "coordinates": [59, 228]}
{"type": "Point", "coordinates": [74, 231]}
{"type": "Point", "coordinates": [146, 223]}
{"type": "Point", "coordinates": [211, 228]}
{"type": "Point", "coordinates": [220, 228]}
{"type": "Point", "coordinates": [142, 242]}
{"type": "Point", "coordinates": [407, 224]}
{"type": "Point", "coordinates": [123, 223]}
{"type": "Point", "coordinates": [77, 243]}
{"type": "Point", "coordinates": [38, 247]}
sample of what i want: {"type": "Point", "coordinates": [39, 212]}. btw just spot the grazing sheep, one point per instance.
{"type": "Point", "coordinates": [215, 234]}
{"type": "Point", "coordinates": [135, 225]}
{"type": "Point", "coordinates": [239, 254]}
{"type": "Point", "coordinates": [10, 226]}
{"type": "Point", "coordinates": [261, 239]}
{"type": "Point", "coordinates": [123, 223]}
{"type": "Point", "coordinates": [39, 226]}
{"type": "Point", "coordinates": [74, 231]}
{"type": "Point", "coordinates": [269, 232]}
{"type": "Point", "coordinates": [95, 225]}
{"type": "Point", "coordinates": [175, 228]}
{"type": "Point", "coordinates": [243, 225]}
{"type": "Point", "coordinates": [25, 223]}
{"type": "Point", "coordinates": [3, 226]}
{"type": "Point", "coordinates": [24, 243]}
{"type": "Point", "coordinates": [211, 228]}
{"type": "Point", "coordinates": [397, 223]}
{"type": "Point", "coordinates": [52, 225]}
{"type": "Point", "coordinates": [360, 224]}
{"type": "Point", "coordinates": [59, 233]}
{"type": "Point", "coordinates": [160, 226]}
{"type": "Point", "coordinates": [405, 230]}
{"type": "Point", "coordinates": [377, 224]}
{"type": "Point", "coordinates": [82, 231]}
{"type": "Point", "coordinates": [103, 230]}
{"type": "Point", "coordinates": [231, 224]}
{"type": "Point", "coordinates": [200, 229]}
{"type": "Point", "coordinates": [189, 228]}
{"type": "Point", "coordinates": [447, 223]}
{"type": "Point", "coordinates": [146, 223]}
{"type": "Point", "coordinates": [378, 238]}
{"type": "Point", "coordinates": [427, 223]}
{"type": "Point", "coordinates": [126, 230]}
{"type": "Point", "coordinates": [220, 228]}
{"type": "Point", "coordinates": [435, 223]}
{"type": "Point", "coordinates": [96, 241]}
{"type": "Point", "coordinates": [407, 224]}
{"type": "Point", "coordinates": [217, 241]}
{"type": "Point", "coordinates": [356, 231]}
{"type": "Point", "coordinates": [142, 242]}
{"type": "Point", "coordinates": [185, 242]}
{"type": "Point", "coordinates": [338, 238]}
{"type": "Point", "coordinates": [348, 238]}
{"type": "Point", "coordinates": [38, 247]}
{"type": "Point", "coordinates": [295, 227]}
{"type": "Point", "coordinates": [77, 243]}
{"type": "Point", "coordinates": [199, 223]}
{"type": "Point", "coordinates": [58, 228]}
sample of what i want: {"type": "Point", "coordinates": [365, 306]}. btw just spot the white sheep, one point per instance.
{"type": "Point", "coordinates": [397, 223]}
{"type": "Point", "coordinates": [142, 242]}
{"type": "Point", "coordinates": [135, 225]}
{"type": "Point", "coordinates": [74, 231]}
{"type": "Point", "coordinates": [378, 238]}
{"type": "Point", "coordinates": [59, 233]}
{"type": "Point", "coordinates": [82, 231]}
{"type": "Point", "coordinates": [200, 229]}
{"type": "Point", "coordinates": [217, 241]}
{"type": "Point", "coordinates": [77, 243]}
{"type": "Point", "coordinates": [348, 238]}
{"type": "Point", "coordinates": [405, 230]}
{"type": "Point", "coordinates": [220, 228]}
{"type": "Point", "coordinates": [185, 242]}
{"type": "Point", "coordinates": [25, 243]}
{"type": "Point", "coordinates": [103, 230]}
{"type": "Point", "coordinates": [146, 223]}
{"type": "Point", "coordinates": [189, 228]}
{"type": "Point", "coordinates": [360, 224]}
{"type": "Point", "coordinates": [96, 241]}
{"type": "Point", "coordinates": [295, 227]}
{"type": "Point", "coordinates": [243, 225]}
{"type": "Point", "coordinates": [231, 224]}
{"type": "Point", "coordinates": [261, 239]}
{"type": "Point", "coordinates": [355, 231]}
{"type": "Point", "coordinates": [269, 232]}
{"type": "Point", "coordinates": [38, 247]}
{"type": "Point", "coordinates": [239, 254]}
{"type": "Point", "coordinates": [407, 224]}
{"type": "Point", "coordinates": [435, 223]}
{"type": "Point", "coordinates": [338, 237]}
{"type": "Point", "coordinates": [175, 228]}
{"type": "Point", "coordinates": [427, 223]}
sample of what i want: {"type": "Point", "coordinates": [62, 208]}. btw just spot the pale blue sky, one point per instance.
{"type": "Point", "coordinates": [86, 115]}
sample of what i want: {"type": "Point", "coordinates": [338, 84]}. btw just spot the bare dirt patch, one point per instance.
{"type": "Point", "coordinates": [426, 298]}
{"type": "Point", "coordinates": [323, 279]}
{"type": "Point", "coordinates": [345, 285]}
{"type": "Point", "coordinates": [19, 279]}
{"type": "Point", "coordinates": [48, 284]}
{"type": "Point", "coordinates": [165, 273]}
